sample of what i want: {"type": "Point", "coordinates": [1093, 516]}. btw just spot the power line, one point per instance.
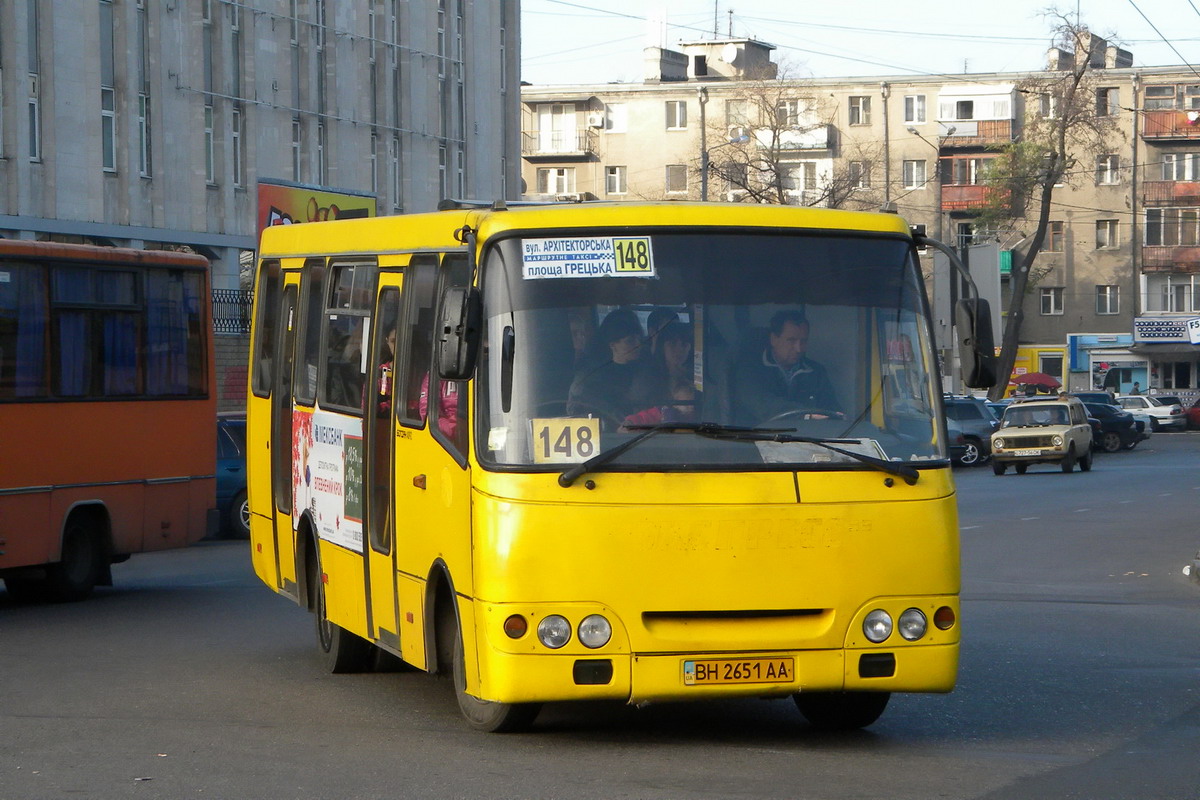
{"type": "Point", "coordinates": [1165, 39]}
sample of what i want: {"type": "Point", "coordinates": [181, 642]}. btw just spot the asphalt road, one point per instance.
{"type": "Point", "coordinates": [1080, 678]}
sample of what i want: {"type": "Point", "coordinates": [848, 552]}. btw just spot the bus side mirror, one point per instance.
{"type": "Point", "coordinates": [976, 347]}
{"type": "Point", "coordinates": [458, 333]}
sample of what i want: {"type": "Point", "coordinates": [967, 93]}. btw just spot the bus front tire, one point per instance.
{"type": "Point", "coordinates": [484, 715]}
{"type": "Point", "coordinates": [74, 577]}
{"type": "Point", "coordinates": [841, 711]}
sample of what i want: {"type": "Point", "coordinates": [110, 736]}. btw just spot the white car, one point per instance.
{"type": "Point", "coordinates": [1156, 415]}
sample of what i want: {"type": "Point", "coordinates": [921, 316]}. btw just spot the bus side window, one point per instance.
{"type": "Point", "coordinates": [348, 323]}
{"type": "Point", "coordinates": [416, 340]}
{"type": "Point", "coordinates": [264, 327]}
{"type": "Point", "coordinates": [450, 412]}
{"type": "Point", "coordinates": [313, 303]}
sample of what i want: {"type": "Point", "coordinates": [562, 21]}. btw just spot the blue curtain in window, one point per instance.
{"type": "Point", "coordinates": [23, 350]}
{"type": "Point", "coordinates": [170, 299]}
{"type": "Point", "coordinates": [73, 349]}
{"type": "Point", "coordinates": [120, 354]}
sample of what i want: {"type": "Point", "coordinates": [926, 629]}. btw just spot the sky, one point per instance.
{"type": "Point", "coordinates": [601, 41]}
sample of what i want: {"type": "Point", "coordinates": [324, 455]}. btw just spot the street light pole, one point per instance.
{"type": "Point", "coordinates": [702, 96]}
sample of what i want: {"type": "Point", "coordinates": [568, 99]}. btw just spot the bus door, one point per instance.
{"type": "Point", "coordinates": [432, 483]}
{"type": "Point", "coordinates": [380, 437]}
{"type": "Point", "coordinates": [281, 438]}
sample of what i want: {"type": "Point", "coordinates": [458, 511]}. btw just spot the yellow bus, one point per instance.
{"type": "Point", "coordinates": [637, 452]}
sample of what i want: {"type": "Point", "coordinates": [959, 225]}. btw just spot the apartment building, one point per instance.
{"type": "Point", "coordinates": [1115, 288]}
{"type": "Point", "coordinates": [150, 124]}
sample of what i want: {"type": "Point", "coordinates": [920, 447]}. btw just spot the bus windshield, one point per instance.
{"type": "Point", "coordinates": [593, 337]}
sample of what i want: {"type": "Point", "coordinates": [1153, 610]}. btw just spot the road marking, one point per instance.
{"type": "Point", "coordinates": [1028, 519]}
{"type": "Point", "coordinates": [1082, 510]}
{"type": "Point", "coordinates": [969, 527]}
{"type": "Point", "coordinates": [1164, 494]}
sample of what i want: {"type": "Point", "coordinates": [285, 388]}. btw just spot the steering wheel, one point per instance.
{"type": "Point", "coordinates": [610, 421]}
{"type": "Point", "coordinates": [805, 414]}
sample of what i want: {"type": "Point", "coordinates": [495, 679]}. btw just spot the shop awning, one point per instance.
{"type": "Point", "coordinates": [1165, 349]}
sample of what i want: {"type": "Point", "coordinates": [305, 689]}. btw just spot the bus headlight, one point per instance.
{"type": "Point", "coordinates": [554, 631]}
{"type": "Point", "coordinates": [912, 624]}
{"type": "Point", "coordinates": [877, 626]}
{"type": "Point", "coordinates": [594, 631]}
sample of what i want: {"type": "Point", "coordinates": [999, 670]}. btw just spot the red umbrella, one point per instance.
{"type": "Point", "coordinates": [1036, 379]}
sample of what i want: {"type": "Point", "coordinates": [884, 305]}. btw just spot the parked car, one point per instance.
{"type": "Point", "coordinates": [231, 475]}
{"type": "Point", "coordinates": [1043, 430]}
{"type": "Point", "coordinates": [1118, 429]}
{"type": "Point", "coordinates": [956, 443]}
{"type": "Point", "coordinates": [977, 423]}
{"type": "Point", "coordinates": [1169, 400]}
{"type": "Point", "coordinates": [1156, 414]}
{"type": "Point", "coordinates": [1096, 397]}
{"type": "Point", "coordinates": [1193, 415]}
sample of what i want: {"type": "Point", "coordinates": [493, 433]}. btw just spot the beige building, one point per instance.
{"type": "Point", "coordinates": [1117, 282]}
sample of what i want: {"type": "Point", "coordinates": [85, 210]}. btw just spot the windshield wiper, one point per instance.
{"type": "Point", "coordinates": [703, 428]}
{"type": "Point", "coordinates": [909, 474]}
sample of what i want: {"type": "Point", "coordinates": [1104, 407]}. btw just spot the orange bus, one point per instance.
{"type": "Point", "coordinates": [108, 398]}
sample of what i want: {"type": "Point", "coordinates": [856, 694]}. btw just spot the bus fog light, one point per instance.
{"type": "Point", "coordinates": [515, 626]}
{"type": "Point", "coordinates": [878, 625]}
{"type": "Point", "coordinates": [912, 624]}
{"type": "Point", "coordinates": [594, 631]}
{"type": "Point", "coordinates": [943, 618]}
{"type": "Point", "coordinates": [554, 631]}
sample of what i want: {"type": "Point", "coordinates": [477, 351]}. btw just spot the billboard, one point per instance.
{"type": "Point", "coordinates": [282, 203]}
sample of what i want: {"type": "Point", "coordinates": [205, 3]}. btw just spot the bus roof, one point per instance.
{"type": "Point", "coordinates": [58, 251]}
{"type": "Point", "coordinates": [436, 229]}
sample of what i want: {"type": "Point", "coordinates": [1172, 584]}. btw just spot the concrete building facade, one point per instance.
{"type": "Point", "coordinates": [1116, 286]}
{"type": "Point", "coordinates": [151, 124]}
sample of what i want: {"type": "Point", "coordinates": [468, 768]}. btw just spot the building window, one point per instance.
{"type": "Point", "coordinates": [1160, 97]}
{"type": "Point", "coordinates": [800, 177]}
{"type": "Point", "coordinates": [858, 174]}
{"type": "Point", "coordinates": [964, 109]}
{"type": "Point", "coordinates": [108, 129]}
{"type": "Point", "coordinates": [962, 171]}
{"type": "Point", "coordinates": [914, 174]}
{"type": "Point", "coordinates": [1181, 166]}
{"type": "Point", "coordinates": [1052, 300]}
{"type": "Point", "coordinates": [1053, 242]}
{"type": "Point", "coordinates": [1108, 299]}
{"type": "Point", "coordinates": [236, 147]}
{"type": "Point", "coordinates": [676, 115]}
{"type": "Point", "coordinates": [1108, 102]}
{"type": "Point", "coordinates": [677, 179]}
{"type": "Point", "coordinates": [322, 174]}
{"type": "Point", "coordinates": [296, 142]}
{"type": "Point", "coordinates": [443, 186]}
{"type": "Point", "coordinates": [614, 180]}
{"type": "Point", "coordinates": [1108, 169]}
{"type": "Point", "coordinates": [35, 123]}
{"type": "Point", "coordinates": [914, 108]}
{"type": "Point", "coordinates": [789, 113]}
{"type": "Point", "coordinates": [145, 160]}
{"type": "Point", "coordinates": [616, 118]}
{"type": "Point", "coordinates": [1049, 105]}
{"type": "Point", "coordinates": [374, 157]}
{"type": "Point", "coordinates": [860, 110]}
{"type": "Point", "coordinates": [556, 180]}
{"type": "Point", "coordinates": [1176, 374]}
{"type": "Point", "coordinates": [394, 158]}
{"type": "Point", "coordinates": [294, 21]}
{"type": "Point", "coordinates": [1170, 227]}
{"type": "Point", "coordinates": [210, 166]}
{"type": "Point", "coordinates": [1106, 233]}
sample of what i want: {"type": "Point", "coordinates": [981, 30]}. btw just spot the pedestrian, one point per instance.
{"type": "Point", "coordinates": [1137, 389]}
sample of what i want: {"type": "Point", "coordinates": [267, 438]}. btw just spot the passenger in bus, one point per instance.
{"type": "Point", "coordinates": [656, 323]}
{"type": "Point", "coordinates": [383, 400]}
{"type": "Point", "coordinates": [583, 331]}
{"type": "Point", "coordinates": [604, 385]}
{"type": "Point", "coordinates": [447, 409]}
{"type": "Point", "coordinates": [668, 364]}
{"type": "Point", "coordinates": [681, 408]}
{"type": "Point", "coordinates": [781, 379]}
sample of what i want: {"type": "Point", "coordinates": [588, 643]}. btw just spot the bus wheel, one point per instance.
{"type": "Point", "coordinates": [483, 715]}
{"type": "Point", "coordinates": [76, 575]}
{"type": "Point", "coordinates": [341, 650]}
{"type": "Point", "coordinates": [841, 711]}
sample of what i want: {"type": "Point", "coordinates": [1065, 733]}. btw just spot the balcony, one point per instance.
{"type": "Point", "coordinates": [975, 132]}
{"type": "Point", "coordinates": [1178, 258]}
{"type": "Point", "coordinates": [816, 137]}
{"type": "Point", "coordinates": [558, 145]}
{"type": "Point", "coordinates": [1171, 193]}
{"type": "Point", "coordinates": [967, 197]}
{"type": "Point", "coordinates": [1170, 124]}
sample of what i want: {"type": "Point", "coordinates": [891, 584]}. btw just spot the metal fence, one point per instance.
{"type": "Point", "coordinates": [231, 310]}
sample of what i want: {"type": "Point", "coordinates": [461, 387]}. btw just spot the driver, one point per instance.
{"type": "Point", "coordinates": [782, 378]}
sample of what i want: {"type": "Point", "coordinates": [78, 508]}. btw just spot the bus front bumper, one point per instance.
{"type": "Point", "coordinates": [635, 678]}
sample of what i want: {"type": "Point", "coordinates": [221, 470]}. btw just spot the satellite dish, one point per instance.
{"type": "Point", "coordinates": [729, 53]}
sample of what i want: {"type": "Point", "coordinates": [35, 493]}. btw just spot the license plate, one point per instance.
{"type": "Point", "coordinates": [743, 670]}
{"type": "Point", "coordinates": [1027, 452]}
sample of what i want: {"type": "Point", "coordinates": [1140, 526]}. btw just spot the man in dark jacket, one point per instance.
{"type": "Point", "coordinates": [781, 378]}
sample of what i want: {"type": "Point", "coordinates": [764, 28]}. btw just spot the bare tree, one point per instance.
{"type": "Point", "coordinates": [765, 149]}
{"type": "Point", "coordinates": [1065, 128]}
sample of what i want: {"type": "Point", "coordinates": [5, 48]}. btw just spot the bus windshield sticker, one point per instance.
{"type": "Point", "coordinates": [565, 440]}
{"type": "Point", "coordinates": [588, 257]}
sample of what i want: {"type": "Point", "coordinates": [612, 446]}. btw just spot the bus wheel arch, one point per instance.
{"type": "Point", "coordinates": [341, 651]}
{"type": "Point", "coordinates": [448, 656]}
{"type": "Point", "coordinates": [86, 554]}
